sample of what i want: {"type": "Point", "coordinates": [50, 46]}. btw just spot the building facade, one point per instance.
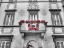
{"type": "Point", "coordinates": [31, 23]}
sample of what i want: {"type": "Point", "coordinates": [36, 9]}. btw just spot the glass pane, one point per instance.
{"type": "Point", "coordinates": [58, 45]}
{"type": "Point", "coordinates": [56, 19]}
{"type": "Point", "coordinates": [36, 18]}
{"type": "Point", "coordinates": [62, 45]}
{"type": "Point", "coordinates": [0, 43]}
{"type": "Point", "coordinates": [3, 44]}
{"type": "Point", "coordinates": [59, 19]}
{"type": "Point", "coordinates": [7, 45]}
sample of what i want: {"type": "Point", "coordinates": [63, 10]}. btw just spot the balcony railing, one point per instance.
{"type": "Point", "coordinates": [39, 26]}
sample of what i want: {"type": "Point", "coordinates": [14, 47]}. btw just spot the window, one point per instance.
{"type": "Point", "coordinates": [33, 17]}
{"type": "Point", "coordinates": [60, 44]}
{"type": "Point", "coordinates": [53, 4]}
{"type": "Point", "coordinates": [56, 19]}
{"type": "Point", "coordinates": [9, 18]}
{"type": "Point", "coordinates": [5, 44]}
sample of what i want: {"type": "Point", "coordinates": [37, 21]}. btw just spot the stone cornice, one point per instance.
{"type": "Point", "coordinates": [10, 10]}
{"type": "Point", "coordinates": [33, 9]}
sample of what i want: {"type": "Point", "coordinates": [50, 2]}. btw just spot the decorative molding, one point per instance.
{"type": "Point", "coordinates": [32, 21]}
{"type": "Point", "coordinates": [22, 12]}
{"type": "Point", "coordinates": [10, 36]}
{"type": "Point", "coordinates": [44, 12]}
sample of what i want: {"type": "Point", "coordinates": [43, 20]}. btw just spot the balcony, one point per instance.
{"type": "Point", "coordinates": [25, 26]}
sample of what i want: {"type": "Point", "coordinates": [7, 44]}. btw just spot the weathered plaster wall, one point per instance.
{"type": "Point", "coordinates": [22, 14]}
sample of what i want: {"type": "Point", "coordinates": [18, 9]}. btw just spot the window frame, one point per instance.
{"type": "Point", "coordinates": [58, 20]}
{"type": "Point", "coordinates": [60, 45]}
{"type": "Point", "coordinates": [6, 18]}
{"type": "Point", "coordinates": [5, 43]}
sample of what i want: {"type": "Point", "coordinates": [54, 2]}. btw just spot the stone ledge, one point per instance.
{"type": "Point", "coordinates": [58, 35]}
{"type": "Point", "coordinates": [33, 9]}
{"type": "Point", "coordinates": [38, 31]}
{"type": "Point", "coordinates": [54, 9]}
{"type": "Point", "coordinates": [10, 10]}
